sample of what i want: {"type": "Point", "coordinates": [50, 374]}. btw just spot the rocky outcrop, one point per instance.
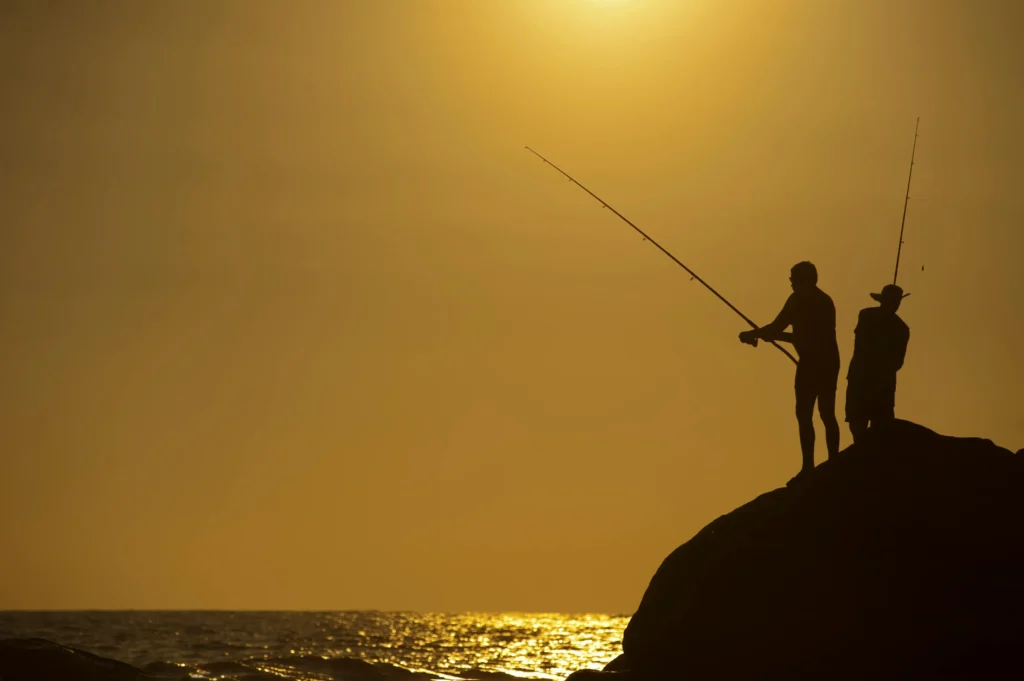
{"type": "Point", "coordinates": [33, 659]}
{"type": "Point", "coordinates": [902, 558]}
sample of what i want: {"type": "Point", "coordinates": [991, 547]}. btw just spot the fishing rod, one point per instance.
{"type": "Point", "coordinates": [692, 274]}
{"type": "Point", "coordinates": [903, 222]}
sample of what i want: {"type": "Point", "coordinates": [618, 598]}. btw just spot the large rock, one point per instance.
{"type": "Point", "coordinates": [902, 558]}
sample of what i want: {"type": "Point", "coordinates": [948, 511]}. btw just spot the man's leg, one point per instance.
{"type": "Point", "coordinates": [805, 396]}
{"type": "Point", "coordinates": [827, 411]}
{"type": "Point", "coordinates": [883, 408]}
{"type": "Point", "coordinates": [859, 431]}
{"type": "Point", "coordinates": [856, 414]}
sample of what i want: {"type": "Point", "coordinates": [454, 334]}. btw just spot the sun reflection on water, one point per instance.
{"type": "Point", "coordinates": [330, 646]}
{"type": "Point", "coordinates": [547, 646]}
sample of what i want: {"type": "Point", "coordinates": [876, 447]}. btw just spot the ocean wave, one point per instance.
{"type": "Point", "coordinates": [338, 669]}
{"type": "Point", "coordinates": [329, 669]}
{"type": "Point", "coordinates": [30, 659]}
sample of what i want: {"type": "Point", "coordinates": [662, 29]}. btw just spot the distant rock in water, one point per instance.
{"type": "Point", "coordinates": [33, 659]}
{"type": "Point", "coordinates": [902, 558]}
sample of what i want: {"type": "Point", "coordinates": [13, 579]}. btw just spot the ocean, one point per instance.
{"type": "Point", "coordinates": [334, 646]}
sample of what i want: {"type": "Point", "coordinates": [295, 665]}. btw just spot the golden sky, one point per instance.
{"type": "Point", "coordinates": [290, 319]}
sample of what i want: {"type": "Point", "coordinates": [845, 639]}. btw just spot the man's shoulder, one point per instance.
{"type": "Point", "coordinates": [794, 301]}
{"type": "Point", "coordinates": [877, 316]}
{"type": "Point", "coordinates": [868, 318]}
{"type": "Point", "coordinates": [825, 298]}
{"type": "Point", "coordinates": [869, 312]}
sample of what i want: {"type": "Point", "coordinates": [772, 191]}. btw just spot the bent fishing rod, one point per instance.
{"type": "Point", "coordinates": [903, 222]}
{"type": "Point", "coordinates": [646, 237]}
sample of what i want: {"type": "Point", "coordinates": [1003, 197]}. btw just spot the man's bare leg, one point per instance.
{"type": "Point", "coordinates": [859, 431]}
{"type": "Point", "coordinates": [827, 411]}
{"type": "Point", "coordinates": [805, 421]}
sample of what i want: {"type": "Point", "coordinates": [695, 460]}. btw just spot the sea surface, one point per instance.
{"type": "Point", "coordinates": [334, 646]}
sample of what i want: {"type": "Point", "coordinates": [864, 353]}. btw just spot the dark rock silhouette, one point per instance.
{"type": "Point", "coordinates": [33, 659]}
{"type": "Point", "coordinates": [901, 558]}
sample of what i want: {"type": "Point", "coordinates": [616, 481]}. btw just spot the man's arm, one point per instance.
{"type": "Point", "coordinates": [774, 331]}
{"type": "Point", "coordinates": [901, 351]}
{"type": "Point", "coordinates": [785, 336]}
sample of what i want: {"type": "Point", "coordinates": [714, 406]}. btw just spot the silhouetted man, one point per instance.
{"type": "Point", "coordinates": [879, 349]}
{"type": "Point", "coordinates": [812, 314]}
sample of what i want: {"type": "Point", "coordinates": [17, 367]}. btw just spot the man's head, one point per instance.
{"type": "Point", "coordinates": [890, 297]}
{"type": "Point", "coordinates": [803, 276]}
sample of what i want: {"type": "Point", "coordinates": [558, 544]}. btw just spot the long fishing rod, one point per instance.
{"type": "Point", "coordinates": [662, 249]}
{"type": "Point", "coordinates": [910, 175]}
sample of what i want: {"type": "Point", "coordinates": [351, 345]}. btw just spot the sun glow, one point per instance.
{"type": "Point", "coordinates": [608, 17]}
{"type": "Point", "coordinates": [623, 17]}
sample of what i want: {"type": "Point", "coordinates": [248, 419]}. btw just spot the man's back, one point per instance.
{"type": "Point", "coordinates": [880, 344]}
{"type": "Point", "coordinates": [812, 314]}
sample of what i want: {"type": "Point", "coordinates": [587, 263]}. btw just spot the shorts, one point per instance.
{"type": "Point", "coordinates": [815, 382]}
{"type": "Point", "coordinates": [870, 400]}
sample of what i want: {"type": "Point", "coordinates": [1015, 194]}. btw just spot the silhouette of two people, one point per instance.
{"type": "Point", "coordinates": [880, 347]}
{"type": "Point", "coordinates": [812, 315]}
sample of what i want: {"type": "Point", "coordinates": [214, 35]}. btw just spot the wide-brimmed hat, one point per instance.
{"type": "Point", "coordinates": [890, 292]}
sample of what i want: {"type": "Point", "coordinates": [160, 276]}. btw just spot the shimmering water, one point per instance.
{"type": "Point", "coordinates": [326, 646]}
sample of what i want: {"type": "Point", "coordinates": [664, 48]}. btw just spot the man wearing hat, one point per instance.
{"type": "Point", "coordinates": [879, 349]}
